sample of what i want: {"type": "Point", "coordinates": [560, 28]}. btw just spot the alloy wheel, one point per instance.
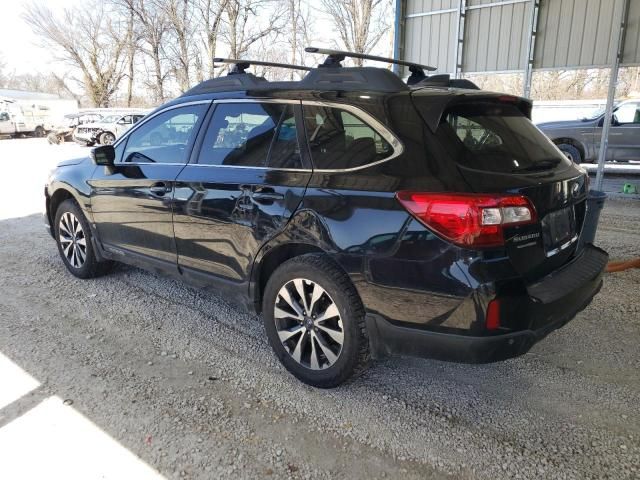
{"type": "Point", "coordinates": [72, 240]}
{"type": "Point", "coordinates": [108, 139]}
{"type": "Point", "coordinates": [309, 324]}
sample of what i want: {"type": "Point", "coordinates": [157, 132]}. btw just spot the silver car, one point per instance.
{"type": "Point", "coordinates": [580, 139]}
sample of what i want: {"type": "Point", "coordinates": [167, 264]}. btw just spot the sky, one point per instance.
{"type": "Point", "coordinates": [18, 45]}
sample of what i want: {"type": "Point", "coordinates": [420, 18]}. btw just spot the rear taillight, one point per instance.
{"type": "Point", "coordinates": [469, 220]}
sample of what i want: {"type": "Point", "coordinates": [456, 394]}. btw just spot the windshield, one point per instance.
{"type": "Point", "coordinates": [497, 138]}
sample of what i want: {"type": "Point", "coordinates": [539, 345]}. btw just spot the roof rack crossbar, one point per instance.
{"type": "Point", "coordinates": [239, 66]}
{"type": "Point", "coordinates": [336, 56]}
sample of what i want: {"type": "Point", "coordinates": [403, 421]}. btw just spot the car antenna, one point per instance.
{"type": "Point", "coordinates": [335, 57]}
{"type": "Point", "coordinates": [239, 66]}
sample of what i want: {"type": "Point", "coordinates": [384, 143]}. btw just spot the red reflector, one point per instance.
{"type": "Point", "coordinates": [493, 315]}
{"type": "Point", "coordinates": [469, 220]}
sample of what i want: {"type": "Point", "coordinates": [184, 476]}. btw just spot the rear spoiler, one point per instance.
{"type": "Point", "coordinates": [433, 107]}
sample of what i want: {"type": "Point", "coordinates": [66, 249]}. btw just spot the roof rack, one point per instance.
{"type": "Point", "coordinates": [335, 57]}
{"type": "Point", "coordinates": [239, 66]}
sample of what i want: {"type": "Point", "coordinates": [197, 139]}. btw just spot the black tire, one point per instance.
{"type": "Point", "coordinates": [571, 152]}
{"type": "Point", "coordinates": [106, 138]}
{"type": "Point", "coordinates": [353, 357]}
{"type": "Point", "coordinates": [90, 267]}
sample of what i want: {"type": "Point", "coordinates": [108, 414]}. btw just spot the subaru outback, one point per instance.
{"type": "Point", "coordinates": [360, 215]}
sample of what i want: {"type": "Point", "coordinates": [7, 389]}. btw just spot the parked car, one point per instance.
{"type": "Point", "coordinates": [579, 140]}
{"type": "Point", "coordinates": [64, 132]}
{"type": "Point", "coordinates": [360, 216]}
{"type": "Point", "coordinates": [107, 130]}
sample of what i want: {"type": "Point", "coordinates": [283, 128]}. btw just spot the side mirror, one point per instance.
{"type": "Point", "coordinates": [104, 155]}
{"type": "Point", "coordinates": [614, 120]}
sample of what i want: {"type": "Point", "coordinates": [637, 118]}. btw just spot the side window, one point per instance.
{"type": "Point", "coordinates": [125, 120]}
{"type": "Point", "coordinates": [628, 113]}
{"type": "Point", "coordinates": [341, 140]}
{"type": "Point", "coordinates": [165, 137]}
{"type": "Point", "coordinates": [243, 134]}
{"type": "Point", "coordinates": [137, 118]}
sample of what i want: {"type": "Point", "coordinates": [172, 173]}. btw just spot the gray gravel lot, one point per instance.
{"type": "Point", "coordinates": [184, 381]}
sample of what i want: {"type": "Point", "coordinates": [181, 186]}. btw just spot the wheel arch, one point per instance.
{"type": "Point", "coordinates": [55, 199]}
{"type": "Point", "coordinates": [268, 262]}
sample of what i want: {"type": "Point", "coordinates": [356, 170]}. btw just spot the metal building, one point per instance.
{"type": "Point", "coordinates": [484, 36]}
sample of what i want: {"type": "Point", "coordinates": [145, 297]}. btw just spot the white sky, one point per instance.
{"type": "Point", "coordinates": [18, 45]}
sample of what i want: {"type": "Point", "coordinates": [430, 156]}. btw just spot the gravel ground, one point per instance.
{"type": "Point", "coordinates": [188, 384]}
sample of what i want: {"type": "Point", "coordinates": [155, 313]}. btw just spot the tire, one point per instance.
{"type": "Point", "coordinates": [571, 152]}
{"type": "Point", "coordinates": [106, 138]}
{"type": "Point", "coordinates": [53, 139]}
{"type": "Point", "coordinates": [39, 132]}
{"type": "Point", "coordinates": [73, 237]}
{"type": "Point", "coordinates": [334, 363]}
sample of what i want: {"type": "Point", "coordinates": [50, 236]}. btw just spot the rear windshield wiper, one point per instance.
{"type": "Point", "coordinates": [539, 165]}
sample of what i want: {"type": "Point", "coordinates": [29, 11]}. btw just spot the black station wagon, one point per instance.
{"type": "Point", "coordinates": [360, 215]}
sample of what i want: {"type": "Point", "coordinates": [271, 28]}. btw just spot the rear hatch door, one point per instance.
{"type": "Point", "coordinates": [497, 149]}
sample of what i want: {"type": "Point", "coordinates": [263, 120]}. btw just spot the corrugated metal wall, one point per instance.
{"type": "Point", "coordinates": [430, 39]}
{"type": "Point", "coordinates": [571, 34]}
{"type": "Point", "coordinates": [496, 38]}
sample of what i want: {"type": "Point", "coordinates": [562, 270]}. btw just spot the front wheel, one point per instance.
{"type": "Point", "coordinates": [39, 132]}
{"type": "Point", "coordinates": [73, 237]}
{"type": "Point", "coordinates": [314, 321]}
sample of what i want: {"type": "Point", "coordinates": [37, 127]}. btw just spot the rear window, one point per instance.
{"type": "Point", "coordinates": [497, 138]}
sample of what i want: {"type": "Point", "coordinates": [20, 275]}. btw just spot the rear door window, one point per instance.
{"type": "Point", "coordinates": [252, 135]}
{"type": "Point", "coordinates": [340, 140]}
{"type": "Point", "coordinates": [497, 138]}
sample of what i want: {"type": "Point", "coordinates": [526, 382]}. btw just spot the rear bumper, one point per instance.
{"type": "Point", "coordinates": [389, 338]}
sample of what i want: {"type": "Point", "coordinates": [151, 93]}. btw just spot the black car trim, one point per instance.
{"type": "Point", "coordinates": [571, 276]}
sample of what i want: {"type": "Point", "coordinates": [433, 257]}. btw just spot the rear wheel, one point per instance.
{"type": "Point", "coordinates": [73, 237]}
{"type": "Point", "coordinates": [39, 132]}
{"type": "Point", "coordinates": [314, 321]}
{"type": "Point", "coordinates": [571, 152]}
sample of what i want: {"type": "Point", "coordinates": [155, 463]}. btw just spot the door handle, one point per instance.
{"type": "Point", "coordinates": [159, 189]}
{"type": "Point", "coordinates": [264, 196]}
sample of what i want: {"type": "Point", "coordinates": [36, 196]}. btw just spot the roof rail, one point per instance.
{"type": "Point", "coordinates": [239, 66]}
{"type": "Point", "coordinates": [334, 57]}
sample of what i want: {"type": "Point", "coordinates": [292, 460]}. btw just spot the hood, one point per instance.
{"type": "Point", "coordinates": [566, 124]}
{"type": "Point", "coordinates": [73, 161]}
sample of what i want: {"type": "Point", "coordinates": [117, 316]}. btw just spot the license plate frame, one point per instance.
{"type": "Point", "coordinates": [559, 230]}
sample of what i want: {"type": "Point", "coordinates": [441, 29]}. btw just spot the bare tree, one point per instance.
{"type": "Point", "coordinates": [154, 25]}
{"type": "Point", "coordinates": [359, 23]}
{"type": "Point", "coordinates": [299, 34]}
{"type": "Point", "coordinates": [210, 13]}
{"type": "Point", "coordinates": [242, 28]}
{"type": "Point", "coordinates": [180, 16]}
{"type": "Point", "coordinates": [87, 38]}
{"type": "Point", "coordinates": [133, 39]}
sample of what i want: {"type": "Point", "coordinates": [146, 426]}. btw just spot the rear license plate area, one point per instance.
{"type": "Point", "coordinates": [559, 230]}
